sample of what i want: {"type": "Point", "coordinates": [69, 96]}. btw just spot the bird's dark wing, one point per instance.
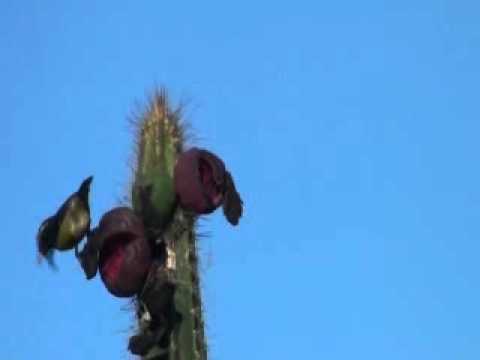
{"type": "Point", "coordinates": [46, 238]}
{"type": "Point", "coordinates": [46, 235]}
{"type": "Point", "coordinates": [232, 203]}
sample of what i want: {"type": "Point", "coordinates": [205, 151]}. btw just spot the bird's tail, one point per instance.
{"type": "Point", "coordinates": [50, 259]}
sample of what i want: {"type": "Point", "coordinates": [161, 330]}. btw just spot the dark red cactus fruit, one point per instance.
{"type": "Point", "coordinates": [199, 179]}
{"type": "Point", "coordinates": [202, 184]}
{"type": "Point", "coordinates": [125, 255]}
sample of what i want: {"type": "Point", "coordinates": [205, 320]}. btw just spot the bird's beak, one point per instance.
{"type": "Point", "coordinates": [87, 182]}
{"type": "Point", "coordinates": [85, 186]}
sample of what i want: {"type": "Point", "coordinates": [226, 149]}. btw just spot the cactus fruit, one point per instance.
{"type": "Point", "coordinates": [202, 184]}
{"type": "Point", "coordinates": [124, 255]}
{"type": "Point", "coordinates": [119, 249]}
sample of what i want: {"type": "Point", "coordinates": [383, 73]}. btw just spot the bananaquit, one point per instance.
{"type": "Point", "coordinates": [64, 230]}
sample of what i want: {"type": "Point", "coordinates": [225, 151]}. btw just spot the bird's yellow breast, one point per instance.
{"type": "Point", "coordinates": [74, 225]}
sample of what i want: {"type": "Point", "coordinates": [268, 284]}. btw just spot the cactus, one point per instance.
{"type": "Point", "coordinates": [174, 325]}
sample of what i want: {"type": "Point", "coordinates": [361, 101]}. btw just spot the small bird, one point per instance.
{"type": "Point", "coordinates": [64, 230]}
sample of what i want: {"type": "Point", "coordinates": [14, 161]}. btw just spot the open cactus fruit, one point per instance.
{"type": "Point", "coordinates": [124, 253]}
{"type": "Point", "coordinates": [148, 250]}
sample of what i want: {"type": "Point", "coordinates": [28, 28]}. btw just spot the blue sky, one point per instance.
{"type": "Point", "coordinates": [351, 129]}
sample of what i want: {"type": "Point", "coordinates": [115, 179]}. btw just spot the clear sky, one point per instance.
{"type": "Point", "coordinates": [351, 128]}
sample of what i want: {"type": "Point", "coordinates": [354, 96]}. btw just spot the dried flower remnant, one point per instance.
{"type": "Point", "coordinates": [202, 184]}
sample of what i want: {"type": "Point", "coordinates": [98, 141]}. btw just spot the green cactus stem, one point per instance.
{"type": "Point", "coordinates": [160, 140]}
{"type": "Point", "coordinates": [169, 308]}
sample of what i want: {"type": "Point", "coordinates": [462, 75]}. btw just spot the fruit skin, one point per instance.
{"type": "Point", "coordinates": [68, 226]}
